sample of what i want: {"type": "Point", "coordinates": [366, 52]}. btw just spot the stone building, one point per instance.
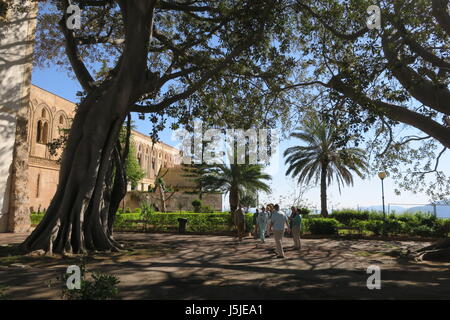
{"type": "Point", "coordinates": [152, 157]}
{"type": "Point", "coordinates": [30, 117]}
{"type": "Point", "coordinates": [182, 192]}
{"type": "Point", "coordinates": [48, 115]}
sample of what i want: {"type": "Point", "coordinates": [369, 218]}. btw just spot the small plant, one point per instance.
{"type": "Point", "coordinates": [100, 286]}
{"type": "Point", "coordinates": [197, 205]}
{"type": "Point", "coordinates": [147, 213]}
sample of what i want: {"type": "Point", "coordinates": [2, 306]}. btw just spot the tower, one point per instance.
{"type": "Point", "coordinates": [17, 33]}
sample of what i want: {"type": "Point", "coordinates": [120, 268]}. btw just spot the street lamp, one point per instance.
{"type": "Point", "coordinates": [382, 175]}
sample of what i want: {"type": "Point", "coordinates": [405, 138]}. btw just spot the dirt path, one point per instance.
{"type": "Point", "coordinates": [218, 267]}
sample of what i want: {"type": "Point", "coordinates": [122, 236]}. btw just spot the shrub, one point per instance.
{"type": "Point", "coordinates": [103, 286]}
{"type": "Point", "coordinates": [138, 210]}
{"type": "Point", "coordinates": [206, 209]}
{"type": "Point", "coordinates": [376, 215]}
{"type": "Point", "coordinates": [36, 218]}
{"type": "Point", "coordinates": [394, 226]}
{"type": "Point", "coordinates": [345, 216]}
{"type": "Point", "coordinates": [375, 226]}
{"type": "Point", "coordinates": [196, 203]}
{"type": "Point", "coordinates": [424, 231]}
{"type": "Point", "coordinates": [442, 227]}
{"type": "Point", "coordinates": [304, 211]}
{"type": "Point", "coordinates": [321, 226]}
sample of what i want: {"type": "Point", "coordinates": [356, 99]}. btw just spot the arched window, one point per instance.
{"type": "Point", "coordinates": [43, 113]}
{"type": "Point", "coordinates": [39, 132]}
{"type": "Point", "coordinates": [42, 132]}
{"type": "Point", "coordinates": [45, 133]}
{"type": "Point", "coordinates": [61, 119]}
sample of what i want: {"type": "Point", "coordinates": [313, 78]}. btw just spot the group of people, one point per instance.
{"type": "Point", "coordinates": [270, 219]}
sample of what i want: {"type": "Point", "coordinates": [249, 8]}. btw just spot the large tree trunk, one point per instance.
{"type": "Point", "coordinates": [79, 216]}
{"type": "Point", "coordinates": [323, 190]}
{"type": "Point", "coordinates": [234, 199]}
{"type": "Point", "coordinates": [439, 251]}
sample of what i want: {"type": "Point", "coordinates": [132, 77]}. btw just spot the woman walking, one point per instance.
{"type": "Point", "coordinates": [296, 222]}
{"type": "Point", "coordinates": [269, 209]}
{"type": "Point", "coordinates": [239, 222]}
{"type": "Point", "coordinates": [255, 224]}
{"type": "Point", "coordinates": [262, 219]}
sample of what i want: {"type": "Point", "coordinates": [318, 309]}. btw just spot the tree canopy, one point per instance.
{"type": "Point", "coordinates": [381, 81]}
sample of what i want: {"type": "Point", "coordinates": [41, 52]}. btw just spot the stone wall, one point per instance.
{"type": "Point", "coordinates": [152, 157]}
{"type": "Point", "coordinates": [135, 199]}
{"type": "Point", "coordinates": [16, 51]}
{"type": "Point", "coordinates": [43, 178]}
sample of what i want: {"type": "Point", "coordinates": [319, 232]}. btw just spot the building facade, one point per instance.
{"type": "Point", "coordinates": [31, 117]}
{"type": "Point", "coordinates": [48, 116]}
{"type": "Point", "coordinates": [151, 158]}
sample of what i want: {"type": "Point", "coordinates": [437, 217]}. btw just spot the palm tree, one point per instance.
{"type": "Point", "coordinates": [323, 157]}
{"type": "Point", "coordinates": [235, 179]}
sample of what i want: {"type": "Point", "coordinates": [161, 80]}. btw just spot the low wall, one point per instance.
{"type": "Point", "coordinates": [179, 201]}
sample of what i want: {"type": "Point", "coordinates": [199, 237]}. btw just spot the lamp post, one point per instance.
{"type": "Point", "coordinates": [382, 175]}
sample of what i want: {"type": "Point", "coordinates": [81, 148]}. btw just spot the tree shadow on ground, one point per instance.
{"type": "Point", "coordinates": [161, 266]}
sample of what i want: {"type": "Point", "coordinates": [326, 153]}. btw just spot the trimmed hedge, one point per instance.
{"type": "Point", "coordinates": [197, 222]}
{"type": "Point", "coordinates": [418, 224]}
{"type": "Point", "coordinates": [320, 226]}
{"type": "Point", "coordinates": [345, 216]}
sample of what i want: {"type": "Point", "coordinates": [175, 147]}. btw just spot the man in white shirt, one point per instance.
{"type": "Point", "coordinates": [278, 221]}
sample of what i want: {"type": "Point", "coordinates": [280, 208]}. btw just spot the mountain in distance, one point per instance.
{"type": "Point", "coordinates": [389, 209]}
{"type": "Point", "coordinates": [442, 209]}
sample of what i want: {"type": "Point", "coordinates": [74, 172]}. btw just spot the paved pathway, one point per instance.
{"type": "Point", "coordinates": [219, 267]}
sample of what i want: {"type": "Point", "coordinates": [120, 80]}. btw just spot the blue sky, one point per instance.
{"type": "Point", "coordinates": [363, 193]}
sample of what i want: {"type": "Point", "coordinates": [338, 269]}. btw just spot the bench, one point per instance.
{"type": "Point", "coordinates": [357, 229]}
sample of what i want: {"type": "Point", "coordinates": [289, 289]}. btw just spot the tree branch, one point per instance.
{"type": "Point", "coordinates": [436, 164]}
{"type": "Point", "coordinates": [394, 112]}
{"type": "Point", "coordinates": [195, 86]}
{"type": "Point", "coordinates": [439, 9]}
{"type": "Point", "coordinates": [81, 72]}
{"type": "Point", "coordinates": [344, 36]}
{"type": "Point", "coordinates": [423, 90]}
{"type": "Point", "coordinates": [414, 45]}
